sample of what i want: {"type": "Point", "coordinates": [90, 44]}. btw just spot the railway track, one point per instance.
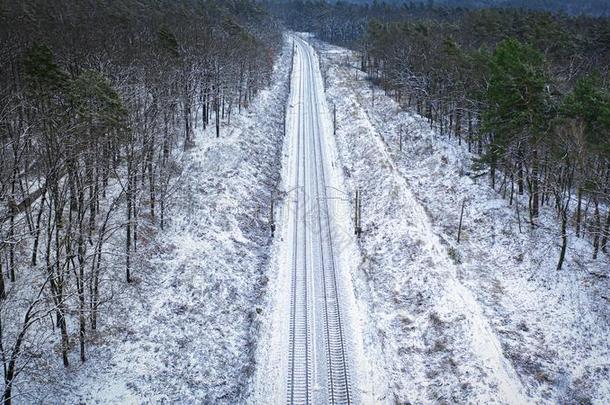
{"type": "Point", "coordinates": [299, 357]}
{"type": "Point", "coordinates": [318, 369]}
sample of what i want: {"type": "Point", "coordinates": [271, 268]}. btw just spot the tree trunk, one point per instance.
{"type": "Point", "coordinates": [578, 211]}
{"type": "Point", "coordinates": [2, 288]}
{"type": "Point", "coordinates": [535, 194]}
{"type": "Point", "coordinates": [11, 249]}
{"type": "Point", "coordinates": [217, 113]}
{"type": "Point", "coordinates": [458, 125]}
{"type": "Point", "coordinates": [520, 180]}
{"type": "Point", "coordinates": [128, 197]}
{"type": "Point", "coordinates": [187, 118]}
{"type": "Point", "coordinates": [606, 232]}
{"type": "Point", "coordinates": [564, 237]}
{"type": "Point", "coordinates": [596, 229]}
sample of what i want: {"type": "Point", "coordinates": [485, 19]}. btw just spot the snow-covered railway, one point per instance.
{"type": "Point", "coordinates": [299, 356]}
{"type": "Point", "coordinates": [318, 369]}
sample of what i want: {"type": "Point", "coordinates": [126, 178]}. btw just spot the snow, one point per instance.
{"type": "Point", "coordinates": [368, 378]}
{"type": "Point", "coordinates": [186, 330]}
{"type": "Point", "coordinates": [271, 375]}
{"type": "Point", "coordinates": [487, 321]}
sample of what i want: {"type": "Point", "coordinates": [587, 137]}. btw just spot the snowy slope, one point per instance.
{"type": "Point", "coordinates": [186, 331]}
{"type": "Point", "coordinates": [486, 321]}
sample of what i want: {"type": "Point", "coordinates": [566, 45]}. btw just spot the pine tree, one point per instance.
{"type": "Point", "coordinates": [516, 109]}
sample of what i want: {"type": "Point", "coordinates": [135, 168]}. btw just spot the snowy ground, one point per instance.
{"type": "Point", "coordinates": [186, 331]}
{"type": "Point", "coordinates": [487, 321]}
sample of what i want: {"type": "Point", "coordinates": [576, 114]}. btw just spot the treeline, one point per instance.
{"type": "Point", "coordinates": [97, 102]}
{"type": "Point", "coordinates": [529, 92]}
{"type": "Point", "coordinates": [573, 7]}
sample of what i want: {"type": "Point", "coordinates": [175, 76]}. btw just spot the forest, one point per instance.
{"type": "Point", "coordinates": [98, 102]}
{"type": "Point", "coordinates": [528, 92]}
{"type": "Point", "coordinates": [572, 7]}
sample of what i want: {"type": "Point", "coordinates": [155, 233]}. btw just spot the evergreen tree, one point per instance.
{"type": "Point", "coordinates": [517, 109]}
